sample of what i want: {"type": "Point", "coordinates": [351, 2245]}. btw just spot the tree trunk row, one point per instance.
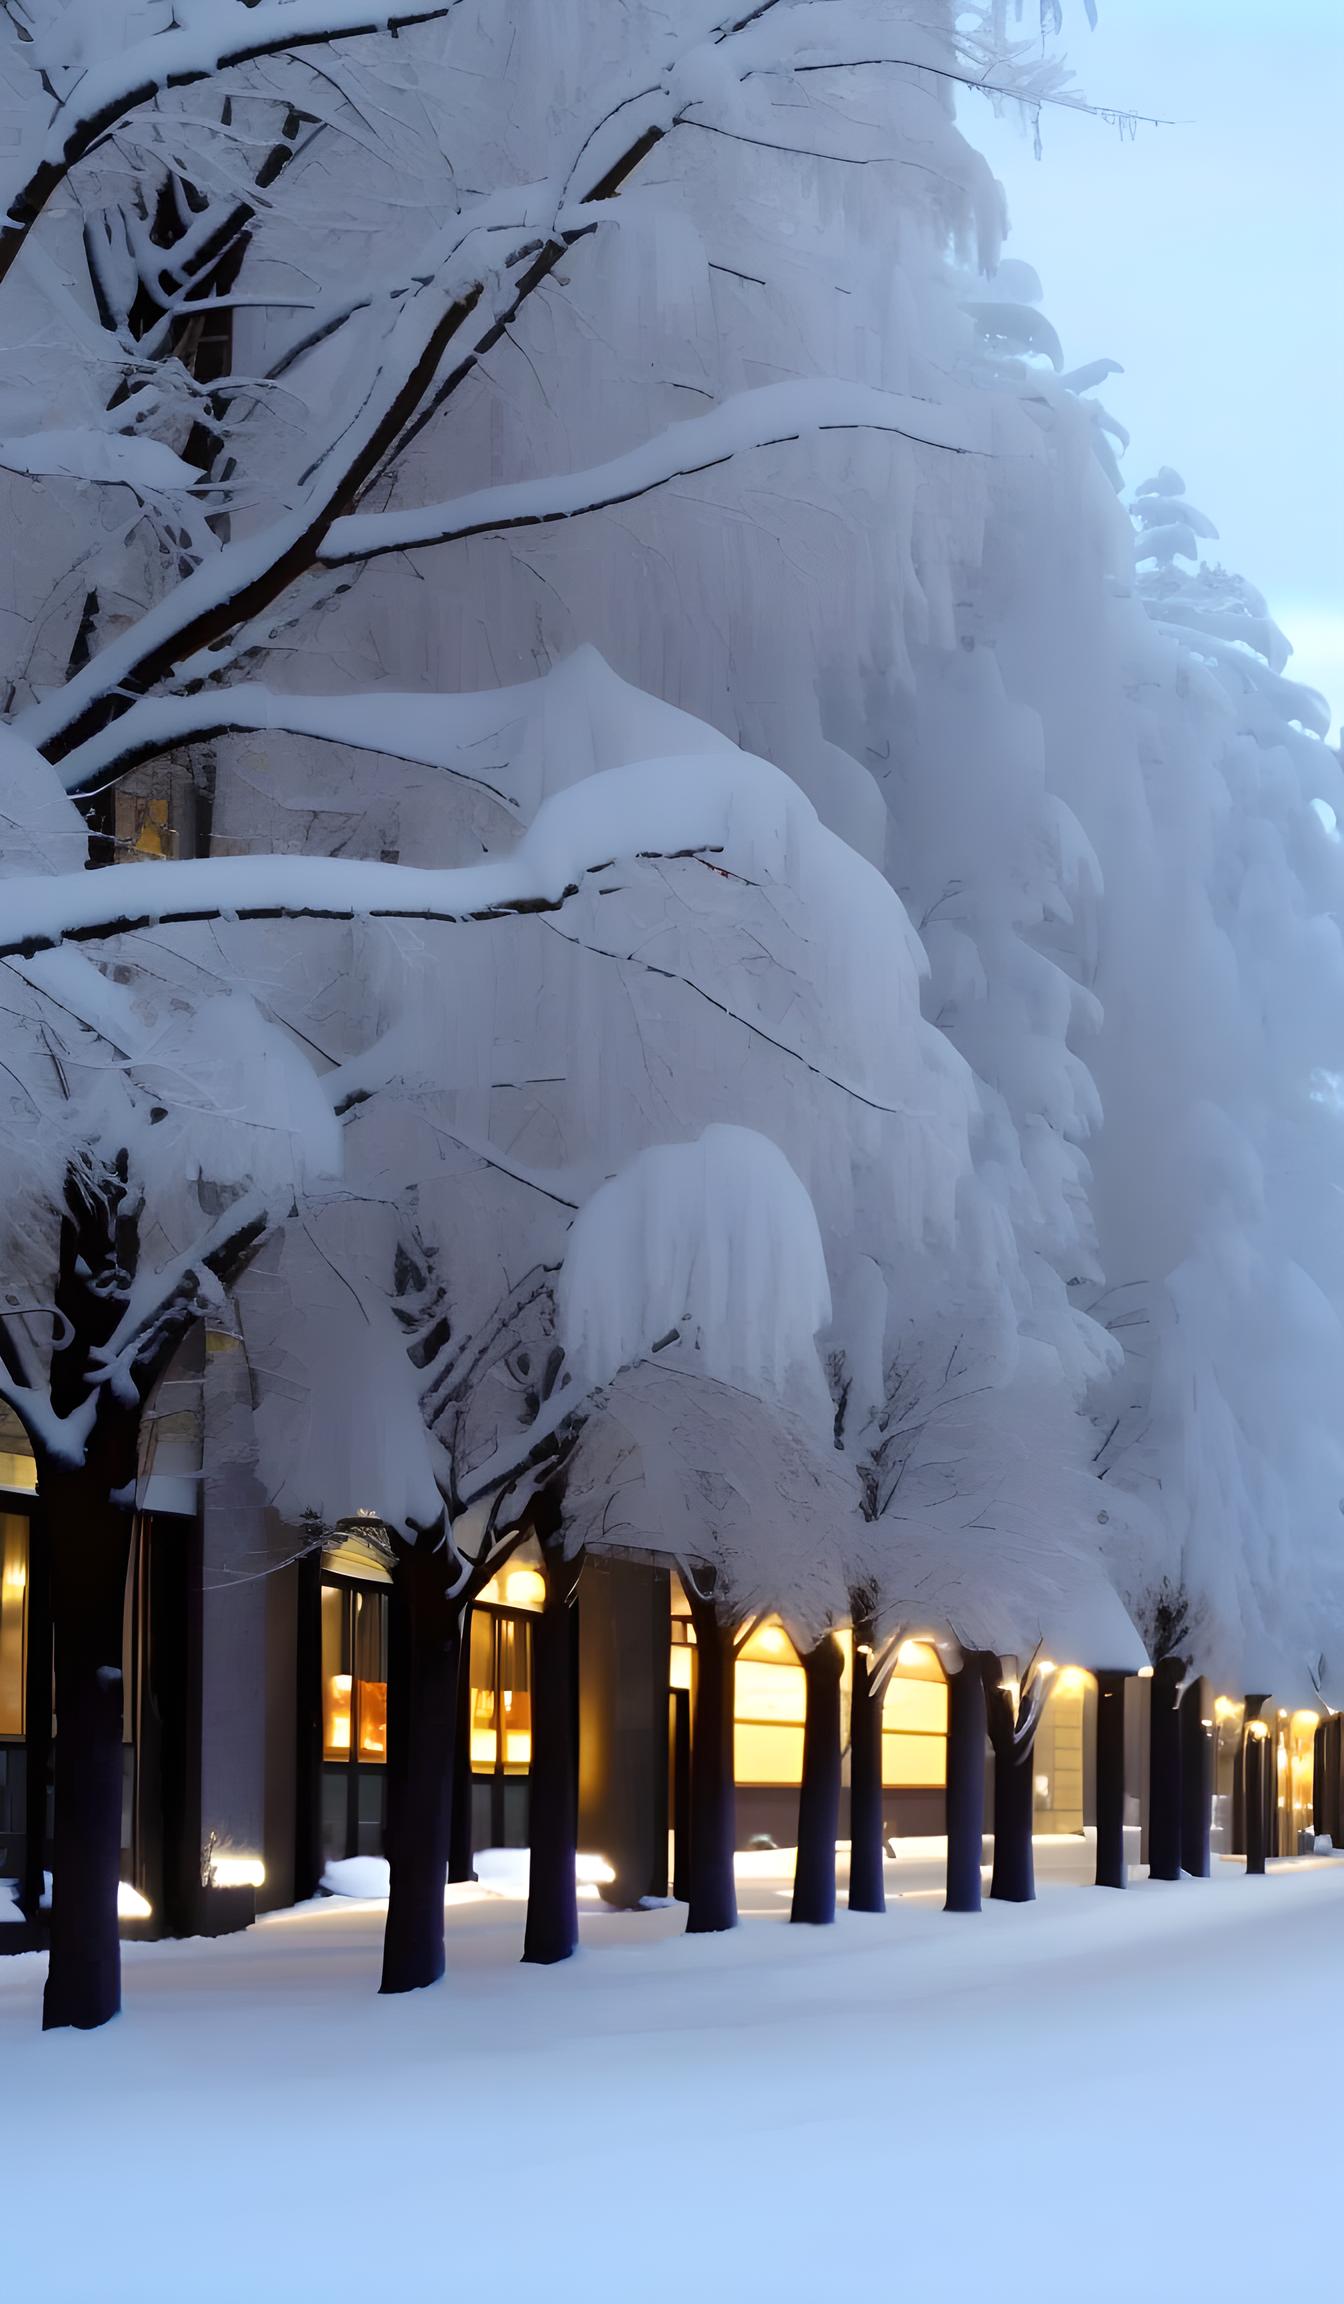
{"type": "Point", "coordinates": [428, 1831]}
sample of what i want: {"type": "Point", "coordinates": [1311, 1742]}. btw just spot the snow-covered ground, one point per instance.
{"type": "Point", "coordinates": [1066, 2097]}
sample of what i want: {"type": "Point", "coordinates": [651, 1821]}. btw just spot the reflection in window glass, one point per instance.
{"type": "Point", "coordinates": [914, 1721]}
{"type": "Point", "coordinates": [336, 1676]}
{"type": "Point", "coordinates": [13, 1620]}
{"type": "Point", "coordinates": [501, 1693]}
{"type": "Point", "coordinates": [484, 1736]}
{"type": "Point", "coordinates": [515, 1685]}
{"type": "Point", "coordinates": [370, 1674]}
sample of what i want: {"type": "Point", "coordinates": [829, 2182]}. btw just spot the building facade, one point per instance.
{"type": "Point", "coordinates": [256, 1724]}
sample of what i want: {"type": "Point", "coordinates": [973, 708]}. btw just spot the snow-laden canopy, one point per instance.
{"type": "Point", "coordinates": [766, 837]}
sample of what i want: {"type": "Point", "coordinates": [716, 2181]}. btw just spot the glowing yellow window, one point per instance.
{"type": "Point", "coordinates": [337, 1679]}
{"type": "Point", "coordinates": [13, 1620]}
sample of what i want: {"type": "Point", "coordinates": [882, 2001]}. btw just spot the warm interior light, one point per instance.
{"type": "Point", "coordinates": [1257, 1728]}
{"type": "Point", "coordinates": [490, 1594]}
{"type": "Point", "coordinates": [1045, 1665]}
{"type": "Point", "coordinates": [772, 1640]}
{"type": "Point", "coordinates": [1145, 1672]}
{"type": "Point", "coordinates": [1282, 1713]}
{"type": "Point", "coordinates": [1071, 1680]}
{"type": "Point", "coordinates": [593, 1871]}
{"type": "Point", "coordinates": [525, 1588]}
{"type": "Point", "coordinates": [1224, 1708]}
{"type": "Point", "coordinates": [238, 1871]}
{"type": "Point", "coordinates": [910, 1652]}
{"type": "Point", "coordinates": [16, 1580]}
{"type": "Point", "coordinates": [131, 1905]}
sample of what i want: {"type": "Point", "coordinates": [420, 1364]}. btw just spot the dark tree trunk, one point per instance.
{"type": "Point", "coordinates": [461, 1854]}
{"type": "Point", "coordinates": [1164, 1770]}
{"type": "Point", "coordinates": [867, 1841]}
{"type": "Point", "coordinates": [1013, 1880]}
{"type": "Point", "coordinates": [713, 1889]}
{"type": "Point", "coordinates": [552, 1894]}
{"type": "Point", "coordinates": [426, 1632]}
{"type": "Point", "coordinates": [1196, 1782]}
{"type": "Point", "coordinates": [1111, 1869]}
{"type": "Point", "coordinates": [1237, 1843]}
{"type": "Point", "coordinates": [966, 1732]}
{"type": "Point", "coordinates": [1257, 1745]}
{"type": "Point", "coordinates": [819, 1794]}
{"type": "Point", "coordinates": [36, 1719]}
{"type": "Point", "coordinates": [90, 1544]}
{"type": "Point", "coordinates": [1318, 1766]}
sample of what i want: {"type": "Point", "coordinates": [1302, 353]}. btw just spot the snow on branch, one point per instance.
{"type": "Point", "coordinates": [764, 417]}
{"type": "Point", "coordinates": [233, 32]}
{"type": "Point", "coordinates": [426, 729]}
{"type": "Point", "coordinates": [163, 1304]}
{"type": "Point", "coordinates": [716, 1241]}
{"type": "Point", "coordinates": [652, 809]}
{"type": "Point", "coordinates": [246, 575]}
{"type": "Point", "coordinates": [460, 301]}
{"type": "Point", "coordinates": [115, 458]}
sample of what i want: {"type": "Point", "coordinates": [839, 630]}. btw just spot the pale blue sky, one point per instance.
{"type": "Point", "coordinates": [1208, 257]}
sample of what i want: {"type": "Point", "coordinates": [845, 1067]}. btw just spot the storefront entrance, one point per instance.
{"type": "Point", "coordinates": [354, 1715]}
{"type": "Point", "coordinates": [501, 1726]}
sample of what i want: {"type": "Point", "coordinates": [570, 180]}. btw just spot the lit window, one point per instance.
{"type": "Point", "coordinates": [13, 1620]}
{"type": "Point", "coordinates": [914, 1720]}
{"type": "Point", "coordinates": [354, 1674]}
{"type": "Point", "coordinates": [769, 1707]}
{"type": "Point", "coordinates": [501, 1693]}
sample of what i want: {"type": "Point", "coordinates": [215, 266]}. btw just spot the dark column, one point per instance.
{"type": "Point", "coordinates": [1164, 1770]}
{"type": "Point", "coordinates": [965, 1786]}
{"type": "Point", "coordinates": [819, 1792]}
{"type": "Point", "coordinates": [1257, 1745]}
{"type": "Point", "coordinates": [679, 1731]}
{"type": "Point", "coordinates": [169, 1839]}
{"type": "Point", "coordinates": [1196, 1780]}
{"type": "Point", "coordinates": [624, 1664]}
{"type": "Point", "coordinates": [308, 1864]}
{"type": "Point", "coordinates": [1272, 1847]}
{"type": "Point", "coordinates": [37, 1717]}
{"type": "Point", "coordinates": [1318, 1744]}
{"type": "Point", "coordinates": [461, 1854]}
{"type": "Point", "coordinates": [1333, 1747]}
{"type": "Point", "coordinates": [867, 1885]}
{"type": "Point", "coordinates": [1111, 1871]}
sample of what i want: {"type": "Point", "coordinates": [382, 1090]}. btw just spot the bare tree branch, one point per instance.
{"type": "Point", "coordinates": [176, 58]}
